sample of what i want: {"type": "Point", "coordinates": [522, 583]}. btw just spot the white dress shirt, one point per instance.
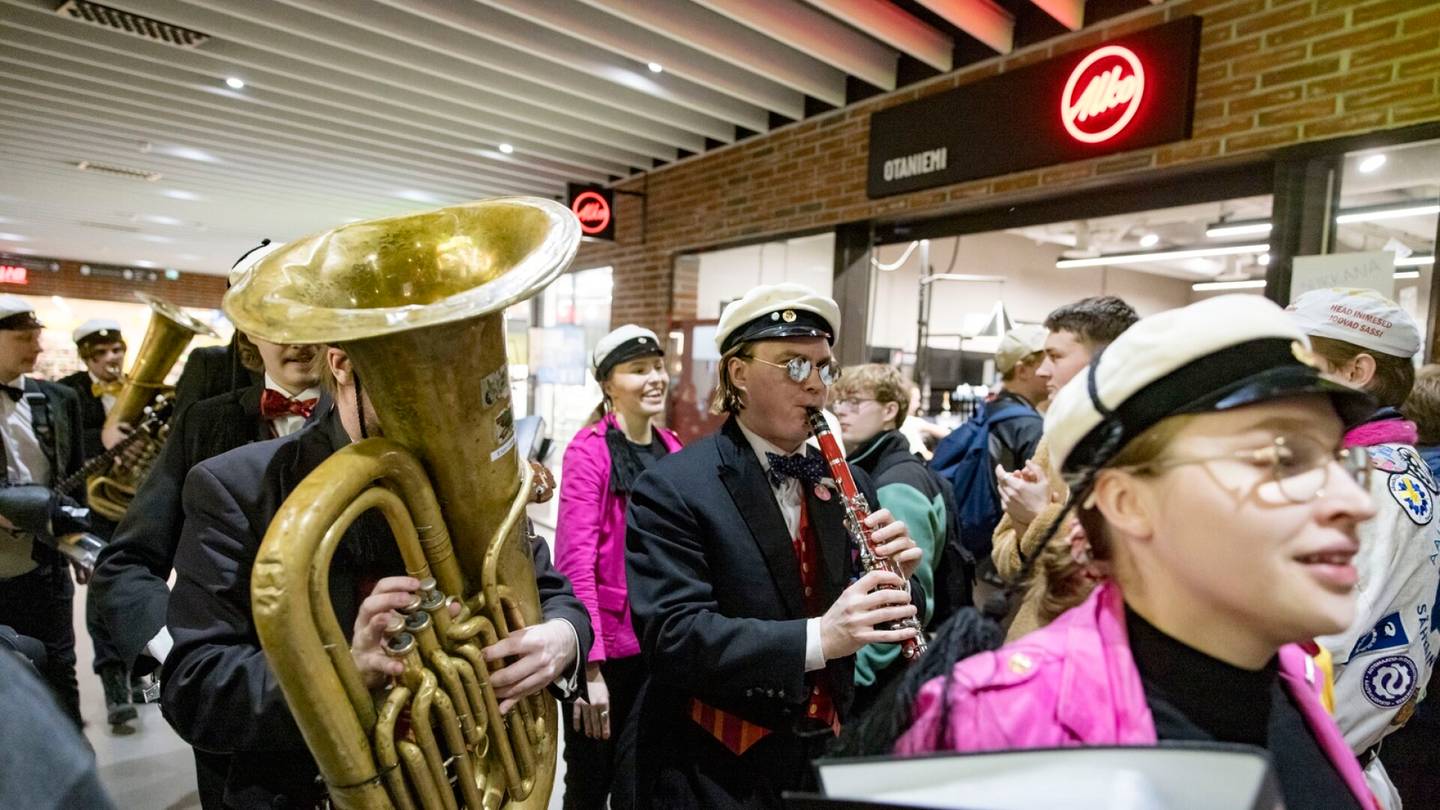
{"type": "Point", "coordinates": [107, 401]}
{"type": "Point", "coordinates": [787, 497]}
{"type": "Point", "coordinates": [25, 461]}
{"type": "Point", "coordinates": [290, 422]}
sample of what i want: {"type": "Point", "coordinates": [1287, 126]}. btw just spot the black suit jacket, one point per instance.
{"type": "Point", "coordinates": [131, 579]}
{"type": "Point", "coordinates": [218, 691]}
{"type": "Point", "coordinates": [715, 590]}
{"type": "Point", "coordinates": [92, 413]}
{"type": "Point", "coordinates": [211, 371]}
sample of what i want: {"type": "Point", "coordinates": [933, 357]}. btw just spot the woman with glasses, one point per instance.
{"type": "Point", "coordinates": [1209, 471]}
{"type": "Point", "coordinates": [598, 473]}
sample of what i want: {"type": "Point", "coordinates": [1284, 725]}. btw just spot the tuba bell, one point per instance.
{"type": "Point", "coordinates": [171, 329]}
{"type": "Point", "coordinates": [418, 304]}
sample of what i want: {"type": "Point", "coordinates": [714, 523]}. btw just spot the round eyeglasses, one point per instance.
{"type": "Point", "coordinates": [798, 369]}
{"type": "Point", "coordinates": [1299, 466]}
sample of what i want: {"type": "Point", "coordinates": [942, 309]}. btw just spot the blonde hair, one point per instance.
{"type": "Point", "coordinates": [1060, 582]}
{"type": "Point", "coordinates": [884, 382]}
{"type": "Point", "coordinates": [1423, 405]}
{"type": "Point", "coordinates": [726, 397]}
{"type": "Point", "coordinates": [320, 368]}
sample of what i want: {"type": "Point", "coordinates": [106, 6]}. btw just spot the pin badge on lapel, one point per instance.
{"type": "Point", "coordinates": [822, 492]}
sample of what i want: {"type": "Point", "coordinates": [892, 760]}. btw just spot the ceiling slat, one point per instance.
{"type": "Point", "coordinates": [1069, 13]}
{"type": "Point", "coordinates": [981, 19]}
{"type": "Point", "coordinates": [810, 32]}
{"type": "Point", "coordinates": [891, 25]}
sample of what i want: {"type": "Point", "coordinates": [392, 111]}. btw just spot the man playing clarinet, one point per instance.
{"type": "Point", "coordinates": [742, 575]}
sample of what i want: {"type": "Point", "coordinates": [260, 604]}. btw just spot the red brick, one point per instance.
{"type": "Point", "coordinates": [1260, 101]}
{"type": "Point", "coordinates": [1187, 152]}
{"type": "Point", "coordinates": [1264, 139]}
{"type": "Point", "coordinates": [1229, 87]}
{"type": "Point", "coordinates": [1268, 60]}
{"type": "Point", "coordinates": [1350, 80]}
{"type": "Point", "coordinates": [1212, 73]}
{"type": "Point", "coordinates": [1429, 63]}
{"type": "Point", "coordinates": [1429, 21]}
{"type": "Point", "coordinates": [1300, 72]}
{"type": "Point", "coordinates": [1135, 24]}
{"type": "Point", "coordinates": [1307, 30]}
{"type": "Point", "coordinates": [1231, 50]}
{"type": "Point", "coordinates": [1352, 122]}
{"type": "Point", "coordinates": [1371, 12]}
{"type": "Point", "coordinates": [1297, 113]}
{"type": "Point", "coordinates": [1427, 109]}
{"type": "Point", "coordinates": [1067, 174]}
{"type": "Point", "coordinates": [1229, 12]}
{"type": "Point", "coordinates": [1015, 182]}
{"type": "Point", "coordinates": [1125, 163]}
{"type": "Point", "coordinates": [1270, 21]}
{"type": "Point", "coordinates": [1396, 49]}
{"type": "Point", "coordinates": [1395, 93]}
{"type": "Point", "coordinates": [1223, 126]}
{"type": "Point", "coordinates": [1384, 32]}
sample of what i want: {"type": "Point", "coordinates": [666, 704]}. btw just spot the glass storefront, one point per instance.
{"type": "Point", "coordinates": [61, 315]}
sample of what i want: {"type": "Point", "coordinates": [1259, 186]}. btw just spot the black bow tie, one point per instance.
{"type": "Point", "coordinates": [803, 468]}
{"type": "Point", "coordinates": [14, 393]}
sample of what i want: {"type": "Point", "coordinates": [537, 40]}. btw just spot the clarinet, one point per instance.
{"type": "Point", "coordinates": [856, 511]}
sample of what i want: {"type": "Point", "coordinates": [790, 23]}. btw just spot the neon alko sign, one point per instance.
{"type": "Point", "coordinates": [1103, 94]}
{"type": "Point", "coordinates": [593, 212]}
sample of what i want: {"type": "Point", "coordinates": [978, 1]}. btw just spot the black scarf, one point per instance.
{"type": "Point", "coordinates": [625, 462]}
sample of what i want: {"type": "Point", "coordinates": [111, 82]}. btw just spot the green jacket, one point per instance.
{"type": "Point", "coordinates": [913, 494]}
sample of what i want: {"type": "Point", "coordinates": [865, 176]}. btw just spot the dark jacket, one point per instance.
{"type": "Point", "coordinates": [211, 371]}
{"type": "Point", "coordinates": [218, 691]}
{"type": "Point", "coordinates": [131, 579]}
{"type": "Point", "coordinates": [1013, 441]}
{"type": "Point", "coordinates": [715, 591]}
{"type": "Point", "coordinates": [915, 494]}
{"type": "Point", "coordinates": [92, 413]}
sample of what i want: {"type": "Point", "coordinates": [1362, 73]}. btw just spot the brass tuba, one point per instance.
{"type": "Point", "coordinates": [171, 329]}
{"type": "Point", "coordinates": [418, 304]}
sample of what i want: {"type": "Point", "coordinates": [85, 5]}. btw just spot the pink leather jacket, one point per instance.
{"type": "Point", "coordinates": [1074, 683]}
{"type": "Point", "coordinates": [590, 539]}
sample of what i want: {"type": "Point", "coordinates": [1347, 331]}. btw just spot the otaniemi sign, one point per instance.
{"type": "Point", "coordinates": [1125, 94]}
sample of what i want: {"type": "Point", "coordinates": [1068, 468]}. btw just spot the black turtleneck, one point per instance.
{"type": "Point", "coordinates": [1195, 697]}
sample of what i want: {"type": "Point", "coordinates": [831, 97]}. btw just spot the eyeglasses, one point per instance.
{"type": "Point", "coordinates": [1299, 466]}
{"type": "Point", "coordinates": [850, 403]}
{"type": "Point", "coordinates": [798, 369]}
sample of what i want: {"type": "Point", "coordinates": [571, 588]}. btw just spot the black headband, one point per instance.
{"type": "Point", "coordinates": [639, 346]}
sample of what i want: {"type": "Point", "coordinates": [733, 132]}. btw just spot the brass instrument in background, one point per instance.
{"type": "Point", "coordinates": [418, 304]}
{"type": "Point", "coordinates": [171, 329]}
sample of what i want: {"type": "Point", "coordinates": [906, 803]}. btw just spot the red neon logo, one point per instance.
{"type": "Point", "coordinates": [12, 274]}
{"type": "Point", "coordinates": [1114, 79]}
{"type": "Point", "coordinates": [592, 211]}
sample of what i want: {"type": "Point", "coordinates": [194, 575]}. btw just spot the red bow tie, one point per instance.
{"type": "Point", "coordinates": [274, 405]}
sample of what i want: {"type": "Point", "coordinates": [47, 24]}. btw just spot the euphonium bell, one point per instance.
{"type": "Point", "coordinates": [418, 304]}
{"type": "Point", "coordinates": [171, 330]}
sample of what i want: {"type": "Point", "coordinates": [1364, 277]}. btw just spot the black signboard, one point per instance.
{"type": "Point", "coordinates": [594, 206]}
{"type": "Point", "coordinates": [1124, 94]}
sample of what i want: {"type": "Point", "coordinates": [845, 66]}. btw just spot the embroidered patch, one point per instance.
{"type": "Point", "coordinates": [1415, 498]}
{"type": "Point", "coordinates": [1387, 634]}
{"type": "Point", "coordinates": [1390, 681]}
{"type": "Point", "coordinates": [1416, 466]}
{"type": "Point", "coordinates": [1387, 458]}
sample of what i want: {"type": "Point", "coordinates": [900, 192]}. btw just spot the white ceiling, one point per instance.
{"type": "Point", "coordinates": [367, 108]}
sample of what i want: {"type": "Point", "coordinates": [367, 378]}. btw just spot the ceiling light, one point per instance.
{"type": "Point", "coordinates": [235, 83]}
{"type": "Point", "coordinates": [1213, 286]}
{"type": "Point", "coordinates": [1162, 255]}
{"type": "Point", "coordinates": [655, 67]}
{"type": "Point", "coordinates": [1253, 227]}
{"type": "Point", "coordinates": [1408, 274]}
{"type": "Point", "coordinates": [1372, 163]}
{"type": "Point", "coordinates": [143, 263]}
{"type": "Point", "coordinates": [506, 148]}
{"type": "Point", "coordinates": [1150, 240]}
{"type": "Point", "coordinates": [1373, 213]}
{"type": "Point", "coordinates": [12, 237]}
{"type": "Point", "coordinates": [161, 219]}
{"type": "Point", "coordinates": [1263, 260]}
{"type": "Point", "coordinates": [177, 194]}
{"type": "Point", "coordinates": [1414, 261]}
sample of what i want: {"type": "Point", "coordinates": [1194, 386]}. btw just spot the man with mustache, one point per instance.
{"type": "Point", "coordinates": [130, 584]}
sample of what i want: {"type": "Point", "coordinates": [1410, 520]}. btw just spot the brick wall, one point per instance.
{"type": "Point", "coordinates": [70, 279]}
{"type": "Point", "coordinates": [1272, 73]}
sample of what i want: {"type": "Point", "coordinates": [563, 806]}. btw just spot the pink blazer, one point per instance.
{"type": "Point", "coordinates": [590, 539]}
{"type": "Point", "coordinates": [1073, 683]}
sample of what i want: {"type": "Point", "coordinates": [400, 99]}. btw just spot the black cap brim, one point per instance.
{"type": "Point", "coordinates": [21, 321]}
{"type": "Point", "coordinates": [1351, 405]}
{"type": "Point", "coordinates": [789, 323]}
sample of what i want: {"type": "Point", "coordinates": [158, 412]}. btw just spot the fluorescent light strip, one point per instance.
{"type": "Point", "coordinates": [1387, 213]}
{"type": "Point", "coordinates": [1237, 229]}
{"type": "Point", "coordinates": [1162, 255]}
{"type": "Point", "coordinates": [1414, 261]}
{"type": "Point", "coordinates": [1408, 274]}
{"type": "Point", "coordinates": [1213, 286]}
